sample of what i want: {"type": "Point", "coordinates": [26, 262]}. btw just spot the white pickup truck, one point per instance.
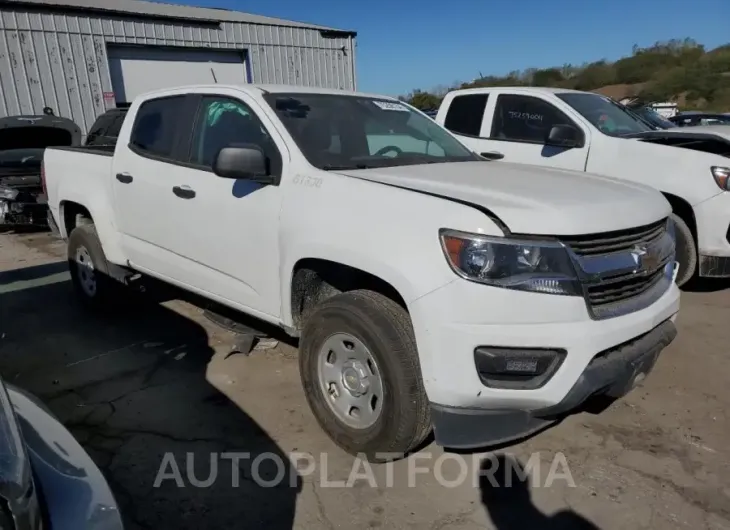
{"type": "Point", "coordinates": [584, 131]}
{"type": "Point", "coordinates": [428, 286]}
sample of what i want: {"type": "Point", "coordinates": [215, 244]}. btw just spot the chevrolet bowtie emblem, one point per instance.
{"type": "Point", "coordinates": [644, 260]}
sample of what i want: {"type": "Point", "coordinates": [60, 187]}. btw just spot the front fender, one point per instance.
{"type": "Point", "coordinates": [386, 231]}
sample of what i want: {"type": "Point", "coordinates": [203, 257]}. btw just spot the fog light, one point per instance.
{"type": "Point", "coordinates": [516, 368]}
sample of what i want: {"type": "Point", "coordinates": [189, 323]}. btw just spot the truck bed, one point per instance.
{"type": "Point", "coordinates": [104, 150]}
{"type": "Point", "coordinates": [73, 174]}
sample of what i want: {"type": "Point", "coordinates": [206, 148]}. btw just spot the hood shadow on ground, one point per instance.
{"type": "Point", "coordinates": [131, 386]}
{"type": "Point", "coordinates": [505, 494]}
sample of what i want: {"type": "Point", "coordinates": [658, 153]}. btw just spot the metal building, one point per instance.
{"type": "Point", "coordinates": [82, 57]}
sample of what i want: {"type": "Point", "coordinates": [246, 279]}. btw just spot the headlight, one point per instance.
{"type": "Point", "coordinates": [14, 471]}
{"type": "Point", "coordinates": [8, 193]}
{"type": "Point", "coordinates": [539, 266]}
{"type": "Point", "coordinates": [722, 176]}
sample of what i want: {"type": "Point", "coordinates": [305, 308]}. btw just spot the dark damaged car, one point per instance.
{"type": "Point", "coordinates": [23, 140]}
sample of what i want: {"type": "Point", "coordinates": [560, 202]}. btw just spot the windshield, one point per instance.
{"type": "Point", "coordinates": [715, 120]}
{"type": "Point", "coordinates": [654, 118]}
{"type": "Point", "coordinates": [605, 114]}
{"type": "Point", "coordinates": [21, 158]}
{"type": "Point", "coordinates": [354, 132]}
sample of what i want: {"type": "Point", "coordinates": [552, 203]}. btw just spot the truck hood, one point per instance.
{"type": "Point", "coordinates": [530, 199]}
{"type": "Point", "coordinates": [713, 139]}
{"type": "Point", "coordinates": [672, 162]}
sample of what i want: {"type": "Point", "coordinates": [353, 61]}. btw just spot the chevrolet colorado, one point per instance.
{"type": "Point", "coordinates": [429, 287]}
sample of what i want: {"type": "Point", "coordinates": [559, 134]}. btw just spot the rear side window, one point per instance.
{"type": "Point", "coordinates": [465, 114]}
{"type": "Point", "coordinates": [156, 124]}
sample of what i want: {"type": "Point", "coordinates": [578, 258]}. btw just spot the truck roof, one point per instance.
{"type": "Point", "coordinates": [533, 89]}
{"type": "Point", "coordinates": [258, 88]}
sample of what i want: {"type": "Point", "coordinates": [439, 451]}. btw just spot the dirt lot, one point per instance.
{"type": "Point", "coordinates": [157, 381]}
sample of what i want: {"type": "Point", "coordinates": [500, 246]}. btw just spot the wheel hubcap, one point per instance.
{"type": "Point", "coordinates": [350, 380]}
{"type": "Point", "coordinates": [85, 271]}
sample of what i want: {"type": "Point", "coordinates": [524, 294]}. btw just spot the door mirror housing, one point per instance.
{"type": "Point", "coordinates": [243, 162]}
{"type": "Point", "coordinates": [564, 136]}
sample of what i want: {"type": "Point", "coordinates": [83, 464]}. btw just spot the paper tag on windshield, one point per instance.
{"type": "Point", "coordinates": [390, 105]}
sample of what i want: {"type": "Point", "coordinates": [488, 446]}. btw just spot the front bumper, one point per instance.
{"type": "Point", "coordinates": [451, 322]}
{"type": "Point", "coordinates": [612, 373]}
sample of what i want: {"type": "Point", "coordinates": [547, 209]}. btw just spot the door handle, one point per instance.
{"type": "Point", "coordinates": [125, 178]}
{"type": "Point", "coordinates": [493, 155]}
{"type": "Point", "coordinates": [184, 192]}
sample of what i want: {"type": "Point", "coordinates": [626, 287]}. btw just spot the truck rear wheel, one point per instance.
{"type": "Point", "coordinates": [361, 375]}
{"type": "Point", "coordinates": [686, 250]}
{"type": "Point", "coordinates": [89, 267]}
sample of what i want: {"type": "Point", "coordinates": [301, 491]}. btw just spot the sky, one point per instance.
{"type": "Point", "coordinates": [407, 44]}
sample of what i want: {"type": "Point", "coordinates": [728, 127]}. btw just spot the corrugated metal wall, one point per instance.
{"type": "Point", "coordinates": [60, 60]}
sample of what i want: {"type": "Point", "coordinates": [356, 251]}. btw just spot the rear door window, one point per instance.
{"type": "Point", "coordinates": [156, 125]}
{"type": "Point", "coordinates": [465, 114]}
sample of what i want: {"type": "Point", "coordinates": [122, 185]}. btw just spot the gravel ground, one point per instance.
{"type": "Point", "coordinates": [153, 391]}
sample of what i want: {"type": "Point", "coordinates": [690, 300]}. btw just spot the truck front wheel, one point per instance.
{"type": "Point", "coordinates": [686, 250]}
{"type": "Point", "coordinates": [89, 268]}
{"type": "Point", "coordinates": [361, 375]}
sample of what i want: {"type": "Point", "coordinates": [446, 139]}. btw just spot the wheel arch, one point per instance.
{"type": "Point", "coordinates": [70, 213]}
{"type": "Point", "coordinates": [684, 210]}
{"type": "Point", "coordinates": [312, 280]}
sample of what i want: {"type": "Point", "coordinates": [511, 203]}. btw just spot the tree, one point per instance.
{"type": "Point", "coordinates": [595, 75]}
{"type": "Point", "coordinates": [423, 100]}
{"type": "Point", "coordinates": [547, 77]}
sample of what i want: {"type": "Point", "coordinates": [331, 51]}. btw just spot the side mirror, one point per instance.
{"type": "Point", "coordinates": [244, 162]}
{"type": "Point", "coordinates": [563, 136]}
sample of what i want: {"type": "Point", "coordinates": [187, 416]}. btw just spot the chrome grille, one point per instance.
{"type": "Point", "coordinates": [622, 288]}
{"type": "Point", "coordinates": [625, 270]}
{"type": "Point", "coordinates": [618, 241]}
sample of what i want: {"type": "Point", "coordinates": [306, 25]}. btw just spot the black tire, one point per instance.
{"type": "Point", "coordinates": [385, 329]}
{"type": "Point", "coordinates": [686, 251]}
{"type": "Point", "coordinates": [84, 236]}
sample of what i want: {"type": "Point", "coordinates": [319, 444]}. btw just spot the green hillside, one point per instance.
{"type": "Point", "coordinates": [677, 70]}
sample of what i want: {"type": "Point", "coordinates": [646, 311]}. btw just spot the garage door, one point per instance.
{"type": "Point", "coordinates": [136, 70]}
